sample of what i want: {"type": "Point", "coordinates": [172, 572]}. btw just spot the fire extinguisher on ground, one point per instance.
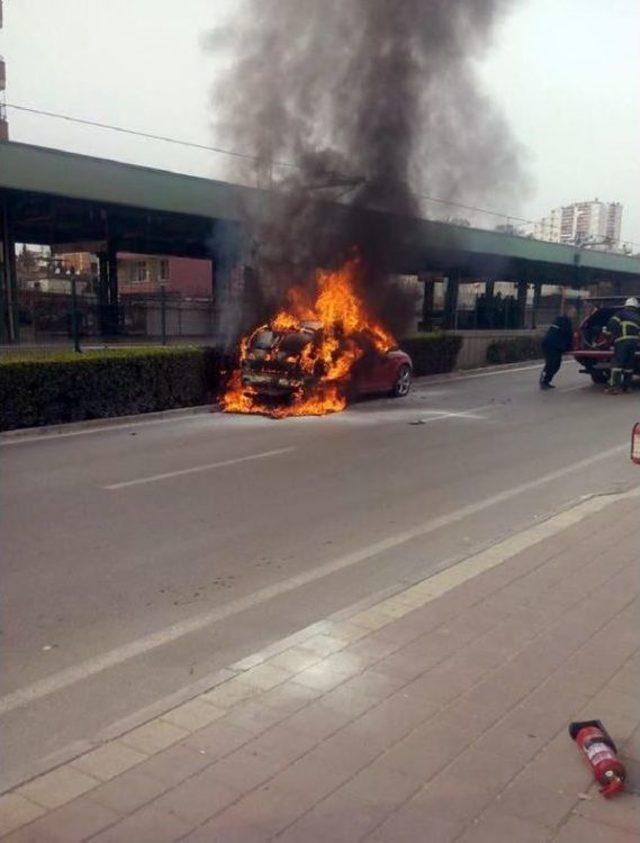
{"type": "Point", "coordinates": [600, 754]}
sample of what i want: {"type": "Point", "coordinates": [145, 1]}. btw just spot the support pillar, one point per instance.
{"type": "Point", "coordinates": [521, 304]}
{"type": "Point", "coordinates": [235, 285]}
{"type": "Point", "coordinates": [451, 300]}
{"type": "Point", "coordinates": [427, 301]}
{"type": "Point", "coordinates": [537, 296]}
{"type": "Point", "coordinates": [9, 318]}
{"type": "Point", "coordinates": [108, 290]}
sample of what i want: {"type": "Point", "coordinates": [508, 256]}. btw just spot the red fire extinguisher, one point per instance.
{"type": "Point", "coordinates": [600, 753]}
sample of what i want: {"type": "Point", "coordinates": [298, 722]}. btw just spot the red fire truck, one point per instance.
{"type": "Point", "coordinates": [590, 347]}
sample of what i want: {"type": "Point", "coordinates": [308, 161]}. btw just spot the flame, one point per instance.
{"type": "Point", "coordinates": [344, 332]}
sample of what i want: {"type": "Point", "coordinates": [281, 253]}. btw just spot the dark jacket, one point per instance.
{"type": "Point", "coordinates": [559, 337]}
{"type": "Point", "coordinates": [625, 324]}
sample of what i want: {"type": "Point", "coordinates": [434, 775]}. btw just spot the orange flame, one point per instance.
{"type": "Point", "coordinates": [345, 331]}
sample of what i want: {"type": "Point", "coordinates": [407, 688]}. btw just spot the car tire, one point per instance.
{"type": "Point", "coordinates": [600, 376]}
{"type": "Point", "coordinates": [402, 383]}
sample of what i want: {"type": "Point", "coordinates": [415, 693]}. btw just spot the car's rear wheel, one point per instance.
{"type": "Point", "coordinates": [600, 375]}
{"type": "Point", "coordinates": [402, 383]}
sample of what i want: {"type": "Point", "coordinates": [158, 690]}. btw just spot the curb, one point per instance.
{"type": "Point", "coordinates": [9, 436]}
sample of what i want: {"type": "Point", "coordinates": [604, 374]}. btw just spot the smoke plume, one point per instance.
{"type": "Point", "coordinates": [371, 102]}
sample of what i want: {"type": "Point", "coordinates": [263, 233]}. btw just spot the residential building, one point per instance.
{"type": "Point", "coordinates": [187, 278]}
{"type": "Point", "coordinates": [143, 275]}
{"type": "Point", "coordinates": [595, 224]}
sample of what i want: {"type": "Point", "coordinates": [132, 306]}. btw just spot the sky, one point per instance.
{"type": "Point", "coordinates": [566, 76]}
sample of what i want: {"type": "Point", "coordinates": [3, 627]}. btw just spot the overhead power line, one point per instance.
{"type": "Point", "coordinates": [249, 157]}
{"type": "Point", "coordinates": [137, 133]}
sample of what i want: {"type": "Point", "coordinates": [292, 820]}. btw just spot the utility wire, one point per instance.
{"type": "Point", "coordinates": [137, 133]}
{"type": "Point", "coordinates": [248, 157]}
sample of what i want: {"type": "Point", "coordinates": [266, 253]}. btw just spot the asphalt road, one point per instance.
{"type": "Point", "coordinates": [139, 559]}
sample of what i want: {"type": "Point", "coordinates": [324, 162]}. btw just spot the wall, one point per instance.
{"type": "Point", "coordinates": [473, 353]}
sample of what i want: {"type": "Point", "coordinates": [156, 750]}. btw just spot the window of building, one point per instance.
{"type": "Point", "coordinates": [141, 270]}
{"type": "Point", "coordinates": [164, 270]}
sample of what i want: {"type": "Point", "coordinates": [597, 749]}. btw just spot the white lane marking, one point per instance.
{"type": "Point", "coordinates": [471, 413]}
{"type": "Point", "coordinates": [154, 478]}
{"type": "Point", "coordinates": [90, 667]}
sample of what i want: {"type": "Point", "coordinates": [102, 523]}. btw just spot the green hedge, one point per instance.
{"type": "Point", "coordinates": [515, 349]}
{"type": "Point", "coordinates": [65, 387]}
{"type": "Point", "coordinates": [432, 354]}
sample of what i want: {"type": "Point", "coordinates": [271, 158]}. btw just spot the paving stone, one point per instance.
{"type": "Point", "coordinates": [16, 811]}
{"type": "Point", "coordinates": [175, 764]}
{"type": "Point", "coordinates": [414, 824]}
{"type": "Point", "coordinates": [309, 776]}
{"type": "Point", "coordinates": [494, 826]}
{"type": "Point", "coordinates": [255, 717]}
{"type": "Point", "coordinates": [347, 701]}
{"type": "Point", "coordinates": [109, 760]}
{"type": "Point", "coordinates": [380, 785]}
{"type": "Point", "coordinates": [270, 808]}
{"type": "Point", "coordinates": [57, 787]}
{"type": "Point", "coordinates": [453, 797]}
{"type": "Point", "coordinates": [622, 812]}
{"type": "Point", "coordinates": [374, 683]}
{"type": "Point", "coordinates": [198, 798]}
{"type": "Point", "coordinates": [318, 720]}
{"type": "Point", "coordinates": [289, 697]}
{"type": "Point", "coordinates": [193, 715]}
{"type": "Point", "coordinates": [321, 678]}
{"type": "Point", "coordinates": [371, 619]}
{"type": "Point", "coordinates": [148, 825]}
{"type": "Point", "coordinates": [228, 829]}
{"type": "Point", "coordinates": [266, 676]}
{"type": "Point", "coordinates": [230, 693]}
{"type": "Point", "coordinates": [345, 631]}
{"type": "Point", "coordinates": [72, 823]}
{"type": "Point", "coordinates": [128, 792]}
{"type": "Point", "coordinates": [323, 645]}
{"type": "Point", "coordinates": [245, 769]}
{"type": "Point", "coordinates": [295, 659]}
{"type": "Point", "coordinates": [581, 830]}
{"type": "Point", "coordinates": [218, 739]}
{"type": "Point", "coordinates": [154, 736]}
{"type": "Point", "coordinates": [346, 752]}
{"type": "Point", "coordinates": [339, 818]}
{"type": "Point", "coordinates": [546, 805]}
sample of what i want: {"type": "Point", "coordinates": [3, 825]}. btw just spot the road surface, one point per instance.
{"type": "Point", "coordinates": [140, 559]}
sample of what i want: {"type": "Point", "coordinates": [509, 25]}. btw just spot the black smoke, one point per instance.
{"type": "Point", "coordinates": [369, 102]}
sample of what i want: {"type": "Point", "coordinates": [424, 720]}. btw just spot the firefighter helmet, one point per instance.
{"type": "Point", "coordinates": [632, 301]}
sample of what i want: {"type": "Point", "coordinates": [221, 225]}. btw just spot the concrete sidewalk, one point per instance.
{"type": "Point", "coordinates": [437, 714]}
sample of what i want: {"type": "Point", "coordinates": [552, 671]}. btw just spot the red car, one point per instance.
{"type": "Point", "coordinates": [590, 348]}
{"type": "Point", "coordinates": [273, 366]}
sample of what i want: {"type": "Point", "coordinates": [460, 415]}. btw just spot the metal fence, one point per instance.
{"type": "Point", "coordinates": [61, 318]}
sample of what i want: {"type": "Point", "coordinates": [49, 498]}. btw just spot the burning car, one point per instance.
{"type": "Point", "coordinates": [276, 365]}
{"type": "Point", "coordinates": [315, 355]}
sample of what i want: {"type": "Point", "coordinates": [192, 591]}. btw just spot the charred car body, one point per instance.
{"type": "Point", "coordinates": [278, 364]}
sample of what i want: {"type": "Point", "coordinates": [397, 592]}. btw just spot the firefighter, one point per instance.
{"type": "Point", "coordinates": [623, 329]}
{"type": "Point", "coordinates": [557, 340]}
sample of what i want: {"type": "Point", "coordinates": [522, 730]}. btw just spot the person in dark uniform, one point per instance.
{"type": "Point", "coordinates": [557, 340]}
{"type": "Point", "coordinates": [623, 329]}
